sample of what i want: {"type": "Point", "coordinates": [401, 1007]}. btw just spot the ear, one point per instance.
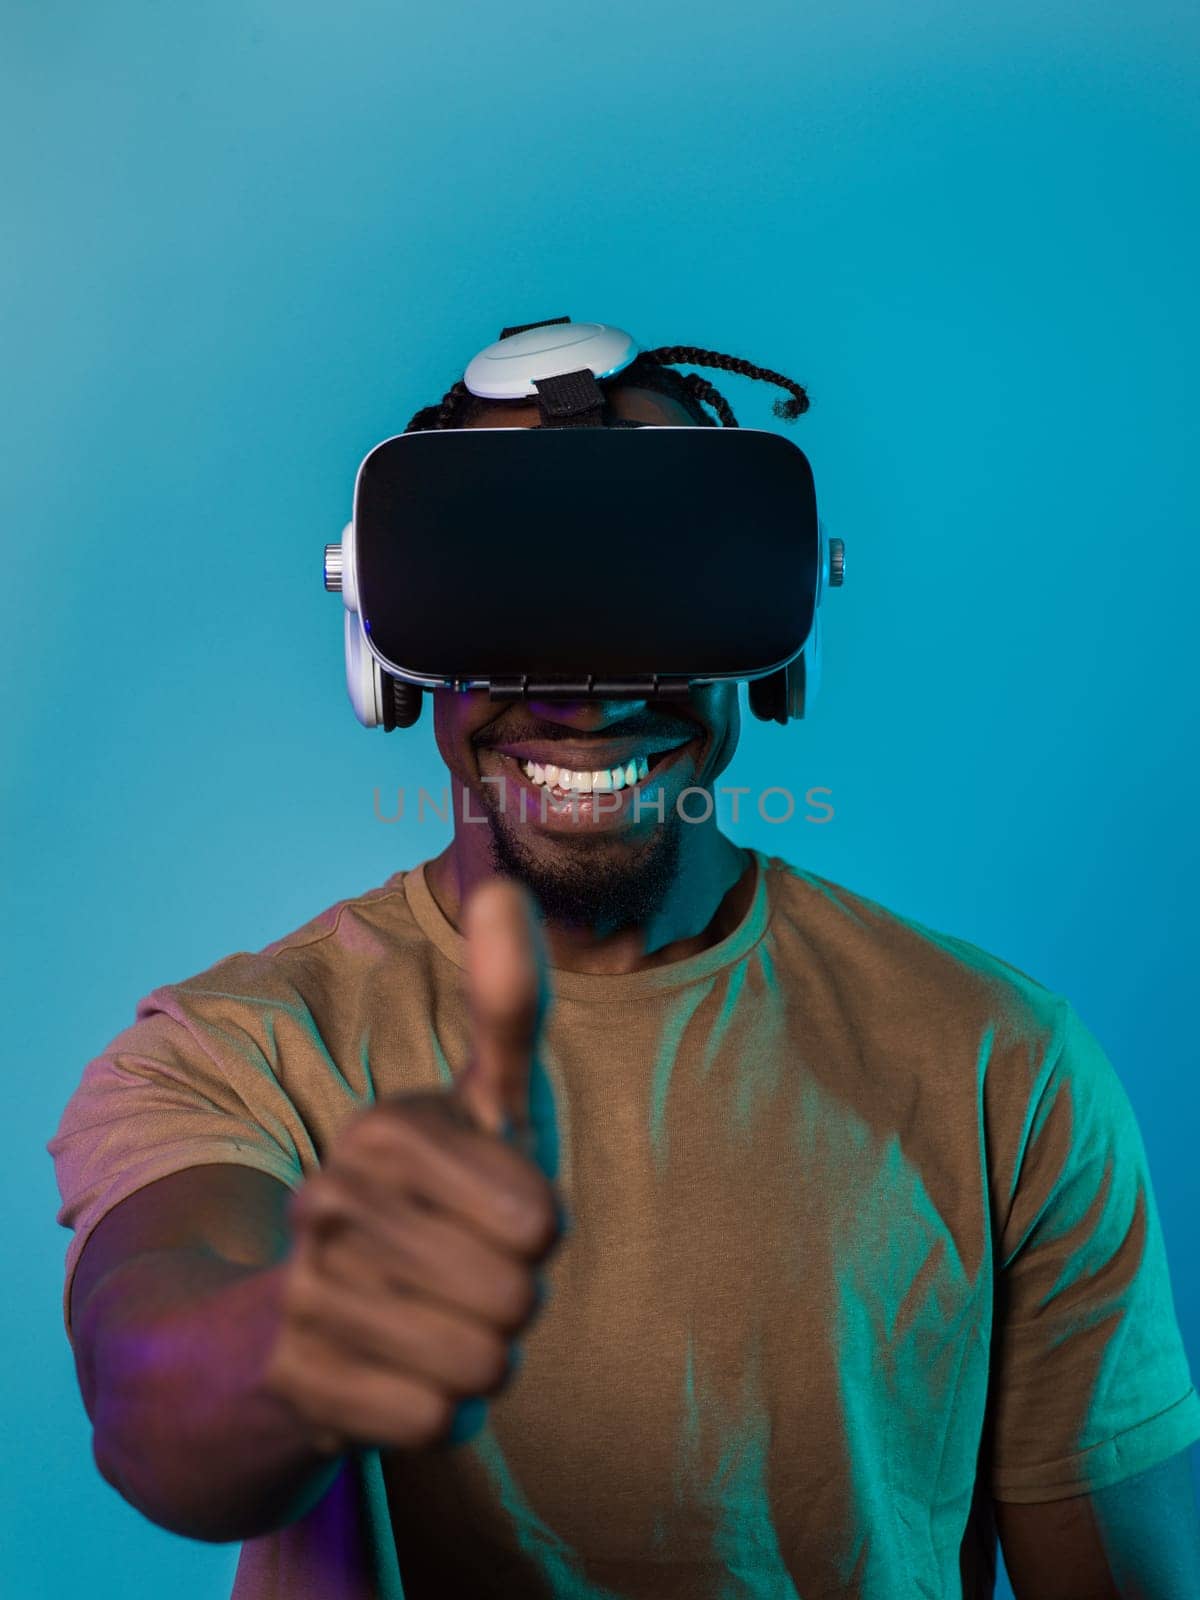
{"type": "Point", "coordinates": [725, 709]}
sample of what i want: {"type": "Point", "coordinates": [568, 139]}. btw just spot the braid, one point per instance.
{"type": "Point", "coordinates": [703, 390]}
{"type": "Point", "coordinates": [650, 369]}
{"type": "Point", "coordinates": [457, 405]}
{"type": "Point", "coordinates": [679, 354]}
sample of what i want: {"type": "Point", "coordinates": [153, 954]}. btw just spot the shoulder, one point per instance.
{"type": "Point", "coordinates": [865, 934]}
{"type": "Point", "coordinates": [919, 986]}
{"type": "Point", "coordinates": [941, 1033]}
{"type": "Point", "coordinates": [336, 952]}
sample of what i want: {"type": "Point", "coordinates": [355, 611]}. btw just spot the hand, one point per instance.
{"type": "Point", "coordinates": [415, 1247]}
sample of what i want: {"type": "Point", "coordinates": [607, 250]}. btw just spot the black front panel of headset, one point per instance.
{"type": "Point", "coordinates": [486, 553]}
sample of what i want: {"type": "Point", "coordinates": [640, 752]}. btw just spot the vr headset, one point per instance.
{"type": "Point", "coordinates": [619, 561]}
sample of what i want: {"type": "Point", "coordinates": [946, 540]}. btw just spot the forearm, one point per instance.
{"type": "Point", "coordinates": [171, 1350]}
{"type": "Point", "coordinates": [1138, 1539]}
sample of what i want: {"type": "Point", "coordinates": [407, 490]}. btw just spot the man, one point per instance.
{"type": "Point", "coordinates": [862, 1262]}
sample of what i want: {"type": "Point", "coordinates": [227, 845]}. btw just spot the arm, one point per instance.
{"type": "Point", "coordinates": [237, 1333]}
{"type": "Point", "coordinates": [1092, 1403]}
{"type": "Point", "coordinates": [174, 1305]}
{"type": "Point", "coordinates": [1136, 1540]}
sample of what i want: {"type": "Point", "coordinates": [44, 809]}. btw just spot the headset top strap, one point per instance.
{"type": "Point", "coordinates": [570, 400]}
{"type": "Point", "coordinates": [524, 327]}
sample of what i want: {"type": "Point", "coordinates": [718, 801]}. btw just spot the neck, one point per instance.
{"type": "Point", "coordinates": [705, 900]}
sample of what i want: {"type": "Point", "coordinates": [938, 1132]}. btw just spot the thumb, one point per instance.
{"type": "Point", "coordinates": [507, 992]}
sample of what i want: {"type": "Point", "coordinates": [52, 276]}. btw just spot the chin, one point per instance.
{"type": "Point", "coordinates": [590, 879]}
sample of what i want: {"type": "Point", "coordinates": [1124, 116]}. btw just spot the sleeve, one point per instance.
{"type": "Point", "coordinates": [1090, 1381]}
{"type": "Point", "coordinates": [192, 1080]}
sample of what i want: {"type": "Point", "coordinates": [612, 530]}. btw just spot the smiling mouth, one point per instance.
{"type": "Point", "coordinates": [570, 779]}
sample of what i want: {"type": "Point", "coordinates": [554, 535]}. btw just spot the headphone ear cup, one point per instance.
{"type": "Point", "coordinates": [795, 694]}
{"type": "Point", "coordinates": [804, 674]}
{"type": "Point", "coordinates": [768, 696]}
{"type": "Point", "coordinates": [364, 681]}
{"type": "Point", "coordinates": [401, 702]}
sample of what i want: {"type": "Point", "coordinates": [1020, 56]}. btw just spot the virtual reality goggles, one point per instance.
{"type": "Point", "coordinates": [577, 559]}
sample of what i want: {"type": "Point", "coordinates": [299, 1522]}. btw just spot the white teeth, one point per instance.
{"type": "Point", "coordinates": [603, 778]}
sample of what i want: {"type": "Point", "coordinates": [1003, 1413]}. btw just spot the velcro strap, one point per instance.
{"type": "Point", "coordinates": [571, 399]}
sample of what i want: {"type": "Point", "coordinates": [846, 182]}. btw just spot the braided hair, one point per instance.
{"type": "Point", "coordinates": [650, 369]}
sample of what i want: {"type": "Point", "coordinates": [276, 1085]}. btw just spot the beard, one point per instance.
{"type": "Point", "coordinates": [589, 882]}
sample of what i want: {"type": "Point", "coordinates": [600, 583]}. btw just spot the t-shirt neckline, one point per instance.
{"type": "Point", "coordinates": [606, 987]}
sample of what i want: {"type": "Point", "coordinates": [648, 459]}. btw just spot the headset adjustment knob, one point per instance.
{"type": "Point", "coordinates": [837, 563]}
{"type": "Point", "coordinates": [333, 568]}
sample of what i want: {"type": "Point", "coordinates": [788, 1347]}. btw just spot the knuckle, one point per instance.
{"type": "Point", "coordinates": [319, 1201]}
{"type": "Point", "coordinates": [536, 1219]}
{"type": "Point", "coordinates": [287, 1377]}
{"type": "Point", "coordinates": [301, 1206]}
{"type": "Point", "coordinates": [373, 1136]}
{"type": "Point", "coordinates": [303, 1295]}
{"type": "Point", "coordinates": [484, 1361]}
{"type": "Point", "coordinates": [512, 1361]}
{"type": "Point", "coordinates": [387, 1122]}
{"type": "Point", "coordinates": [341, 1258]}
{"type": "Point", "coordinates": [516, 1298]}
{"type": "Point", "coordinates": [352, 1128]}
{"type": "Point", "coordinates": [414, 1115]}
{"type": "Point", "coordinates": [431, 1415]}
{"type": "Point", "coordinates": [383, 1144]}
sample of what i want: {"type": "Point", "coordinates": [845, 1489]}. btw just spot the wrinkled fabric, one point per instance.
{"type": "Point", "coordinates": [863, 1237]}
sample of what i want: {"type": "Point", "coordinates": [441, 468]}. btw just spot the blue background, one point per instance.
{"type": "Point", "coordinates": [243, 243]}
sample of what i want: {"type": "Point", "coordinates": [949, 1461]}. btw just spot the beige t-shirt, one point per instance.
{"type": "Point", "coordinates": [825, 1179]}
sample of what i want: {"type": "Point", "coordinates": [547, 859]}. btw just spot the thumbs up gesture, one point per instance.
{"type": "Point", "coordinates": [415, 1249]}
{"type": "Point", "coordinates": [501, 1088]}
